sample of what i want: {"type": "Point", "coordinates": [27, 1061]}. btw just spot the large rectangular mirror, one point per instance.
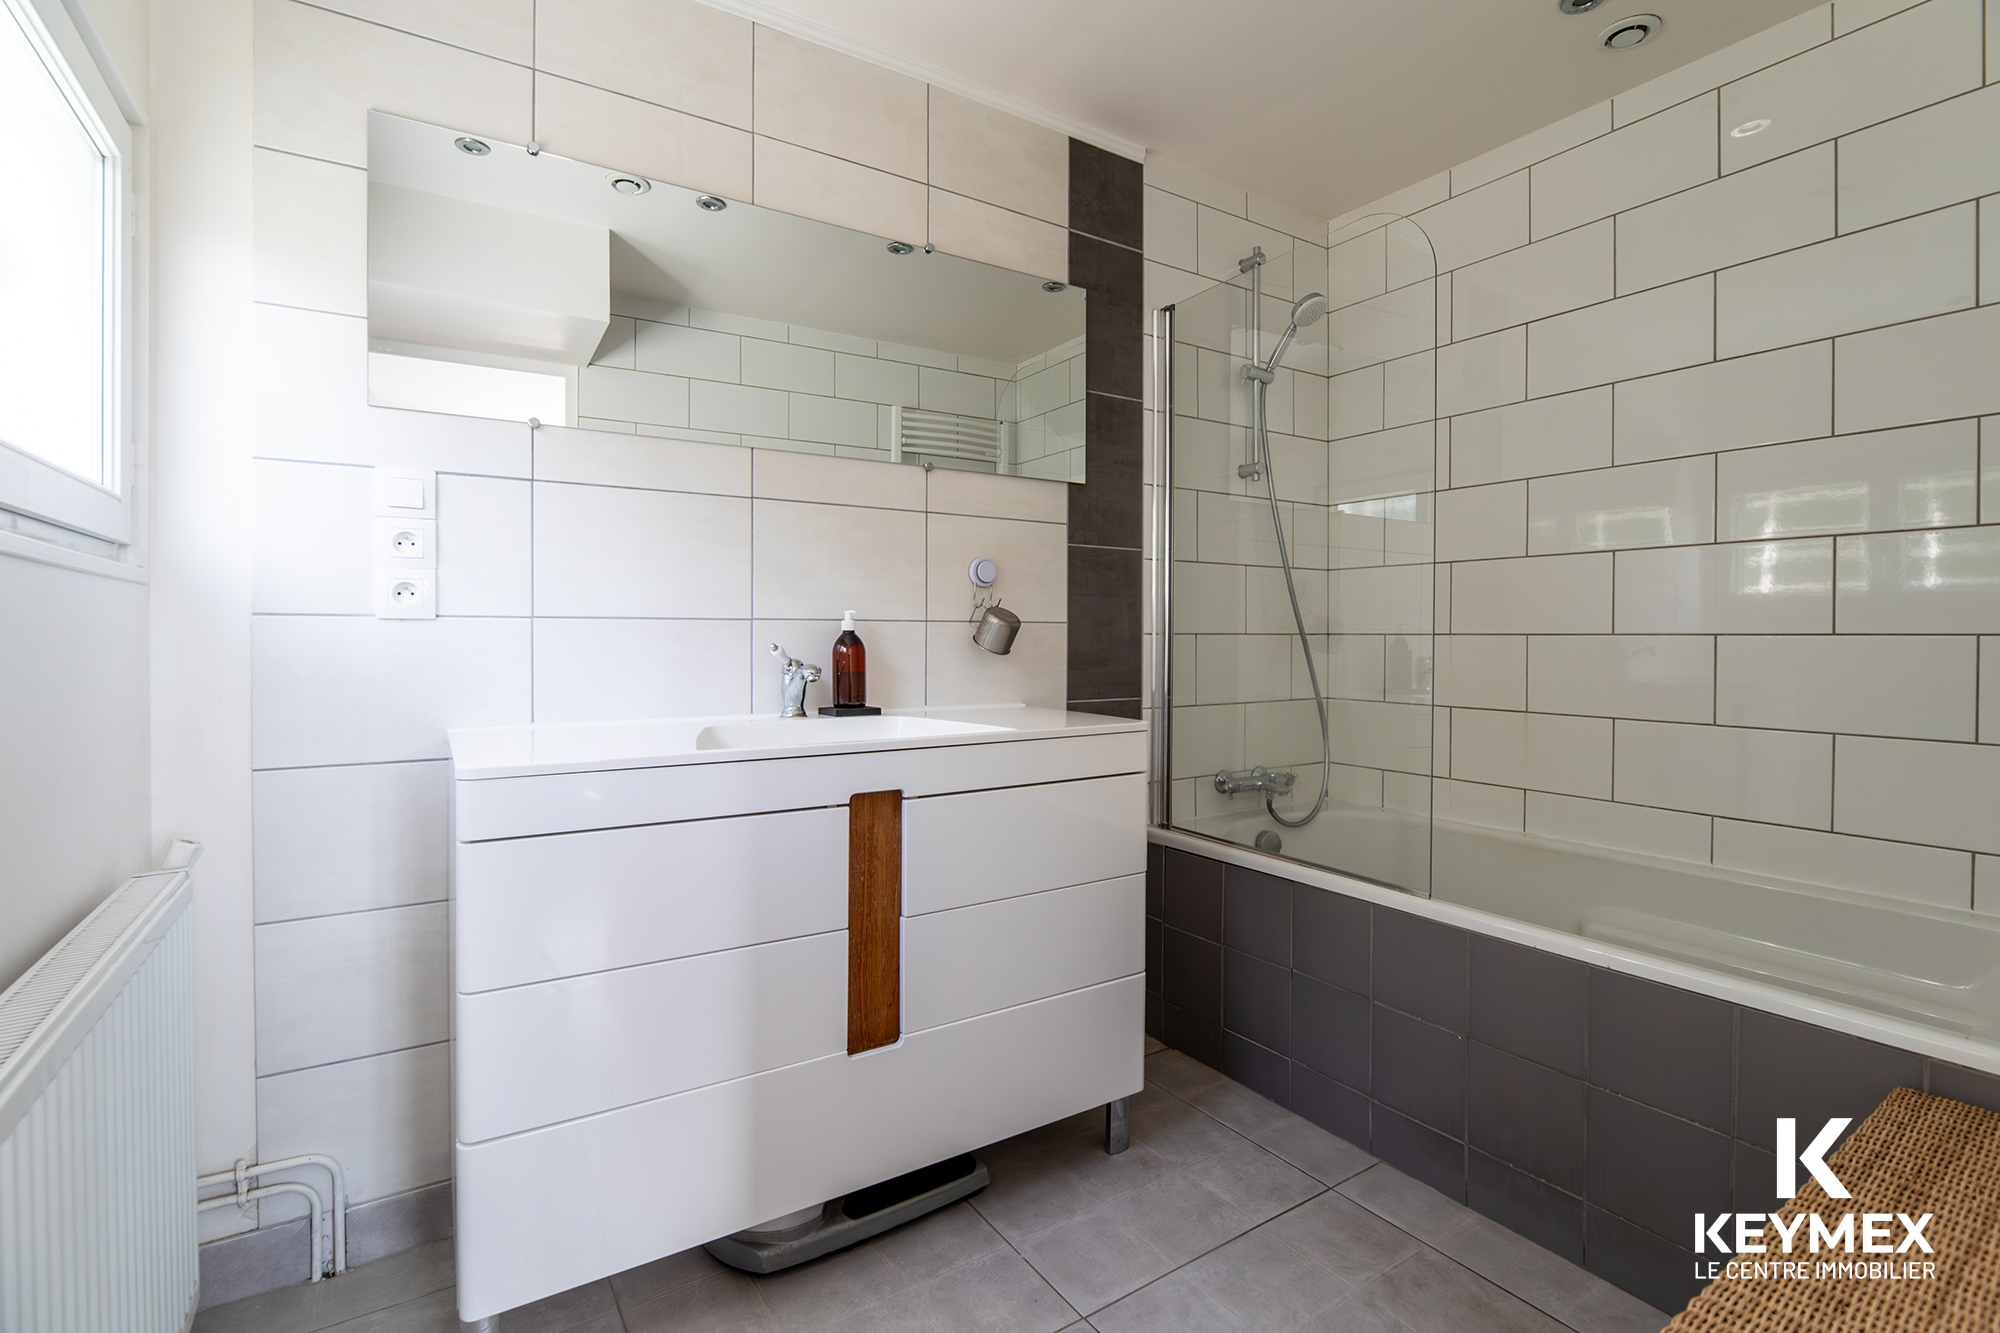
{"type": "Point", "coordinates": [528, 286]}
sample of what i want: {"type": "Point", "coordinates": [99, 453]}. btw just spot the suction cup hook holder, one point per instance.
{"type": "Point", "coordinates": [994, 626]}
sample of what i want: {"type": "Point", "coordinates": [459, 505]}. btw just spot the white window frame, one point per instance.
{"type": "Point", "coordinates": [29, 485]}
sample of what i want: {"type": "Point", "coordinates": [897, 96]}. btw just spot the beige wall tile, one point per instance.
{"type": "Point", "coordinates": [319, 74]}
{"type": "Point", "coordinates": [809, 95]}
{"type": "Point", "coordinates": [798, 180]}
{"type": "Point", "coordinates": [672, 52]}
{"type": "Point", "coordinates": [623, 132]}
{"type": "Point", "coordinates": [503, 28]}
{"type": "Point", "coordinates": [312, 233]}
{"type": "Point", "coordinates": [986, 154]}
{"type": "Point", "coordinates": [961, 226]}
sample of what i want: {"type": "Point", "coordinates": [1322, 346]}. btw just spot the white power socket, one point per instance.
{"type": "Point", "coordinates": [406, 543]}
{"type": "Point", "coordinates": [406, 594]}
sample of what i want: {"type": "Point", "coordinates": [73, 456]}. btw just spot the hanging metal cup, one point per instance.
{"type": "Point", "coordinates": [996, 629]}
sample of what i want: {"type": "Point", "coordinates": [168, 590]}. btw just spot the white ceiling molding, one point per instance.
{"type": "Point", "coordinates": [809, 30]}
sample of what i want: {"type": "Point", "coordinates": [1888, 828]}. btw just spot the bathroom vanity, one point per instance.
{"type": "Point", "coordinates": [710, 971]}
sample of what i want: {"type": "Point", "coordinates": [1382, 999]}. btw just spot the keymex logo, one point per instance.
{"type": "Point", "coordinates": [1740, 1233]}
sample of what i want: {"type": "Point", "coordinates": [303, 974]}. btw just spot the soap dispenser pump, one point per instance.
{"type": "Point", "coordinates": [850, 674]}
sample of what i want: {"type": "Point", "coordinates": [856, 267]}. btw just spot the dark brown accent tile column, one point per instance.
{"type": "Point", "coordinates": [874, 919]}
{"type": "Point", "coordinates": [1106, 211]}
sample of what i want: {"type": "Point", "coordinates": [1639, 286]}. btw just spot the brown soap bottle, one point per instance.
{"type": "Point", "coordinates": [850, 667]}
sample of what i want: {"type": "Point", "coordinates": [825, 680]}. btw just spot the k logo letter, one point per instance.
{"type": "Point", "coordinates": [1813, 1159]}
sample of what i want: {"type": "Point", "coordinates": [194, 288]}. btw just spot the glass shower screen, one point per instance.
{"type": "Point", "coordinates": [1311, 532]}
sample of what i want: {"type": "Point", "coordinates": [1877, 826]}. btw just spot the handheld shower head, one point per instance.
{"type": "Point", "coordinates": [1309, 310]}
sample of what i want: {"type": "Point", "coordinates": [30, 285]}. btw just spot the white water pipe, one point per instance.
{"type": "Point", "coordinates": [244, 1172]}
{"type": "Point", "coordinates": [265, 1191]}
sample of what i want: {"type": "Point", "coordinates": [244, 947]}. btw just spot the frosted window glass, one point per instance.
{"type": "Point", "coordinates": [52, 267]}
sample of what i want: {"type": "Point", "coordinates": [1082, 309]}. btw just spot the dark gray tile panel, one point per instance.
{"type": "Point", "coordinates": [1652, 1169]}
{"type": "Point", "coordinates": [1811, 1074]}
{"type": "Point", "coordinates": [1257, 1001]}
{"type": "Point", "coordinates": [1257, 914]}
{"type": "Point", "coordinates": [1420, 968]}
{"type": "Point", "coordinates": [1525, 1206]}
{"type": "Point", "coordinates": [1418, 1069]}
{"type": "Point", "coordinates": [1526, 1115]}
{"type": "Point", "coordinates": [1529, 1003]}
{"type": "Point", "coordinates": [1330, 937]}
{"type": "Point", "coordinates": [1330, 1030]}
{"type": "Point", "coordinates": [1666, 1047]}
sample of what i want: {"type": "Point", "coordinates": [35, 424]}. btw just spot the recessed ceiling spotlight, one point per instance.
{"type": "Point", "coordinates": [1053, 286]}
{"type": "Point", "coordinates": [628, 184]}
{"type": "Point", "coordinates": [1750, 127]}
{"type": "Point", "coordinates": [708, 203]}
{"type": "Point", "coordinates": [1578, 6]}
{"type": "Point", "coordinates": [1628, 33]}
{"type": "Point", "coordinates": [901, 248]}
{"type": "Point", "coordinates": [472, 147]}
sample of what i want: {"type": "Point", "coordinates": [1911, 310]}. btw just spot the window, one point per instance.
{"type": "Point", "coordinates": [62, 277]}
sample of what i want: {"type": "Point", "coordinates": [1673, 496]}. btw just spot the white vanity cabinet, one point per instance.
{"type": "Point", "coordinates": [651, 967]}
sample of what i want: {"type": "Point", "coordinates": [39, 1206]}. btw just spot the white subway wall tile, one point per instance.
{"type": "Point", "coordinates": [1628, 828]}
{"type": "Point", "coordinates": [1777, 206]}
{"type": "Point", "coordinates": [606, 459]}
{"type": "Point", "coordinates": [1239, 668]}
{"type": "Point", "coordinates": [1532, 147]}
{"type": "Point", "coordinates": [1456, 802]}
{"type": "Point", "coordinates": [676, 349]}
{"type": "Point", "coordinates": [1571, 269]}
{"type": "Point", "coordinates": [874, 380]}
{"type": "Point", "coordinates": [1571, 755]}
{"type": "Point", "coordinates": [1482, 671]}
{"type": "Point", "coordinates": [357, 690]}
{"type": "Point", "coordinates": [1918, 477]}
{"type": "Point", "coordinates": [1662, 678]}
{"type": "Point", "coordinates": [348, 838]}
{"type": "Point", "coordinates": [1775, 777]}
{"type": "Point", "coordinates": [1169, 223]}
{"type": "Point", "coordinates": [1483, 521]}
{"type": "Point", "coordinates": [955, 492]}
{"type": "Point", "coordinates": [632, 395]}
{"type": "Point", "coordinates": [837, 421]}
{"type": "Point", "coordinates": [1765, 399]}
{"type": "Point", "coordinates": [1919, 582]}
{"type": "Point", "coordinates": [985, 153]}
{"type": "Point", "coordinates": [1748, 588]}
{"type": "Point", "coordinates": [1476, 223]}
{"type": "Point", "coordinates": [1918, 791]}
{"type": "Point", "coordinates": [1564, 433]}
{"type": "Point", "coordinates": [386, 1119]}
{"type": "Point", "coordinates": [1034, 673]}
{"type": "Point", "coordinates": [1391, 599]}
{"type": "Point", "coordinates": [1662, 329]}
{"type": "Point", "coordinates": [1986, 884]}
{"type": "Point", "coordinates": [1479, 373]}
{"type": "Point", "coordinates": [1895, 870]}
{"type": "Point", "coordinates": [1565, 594]}
{"type": "Point", "coordinates": [603, 670]}
{"type": "Point", "coordinates": [831, 189]}
{"type": "Point", "coordinates": [738, 408]}
{"type": "Point", "coordinates": [1851, 14]}
{"type": "Point", "coordinates": [1195, 185]}
{"type": "Point", "coordinates": [1888, 685]}
{"type": "Point", "coordinates": [950, 391]}
{"type": "Point", "coordinates": [483, 540]}
{"type": "Point", "coordinates": [1918, 162]}
{"type": "Point", "coordinates": [816, 560]}
{"type": "Point", "coordinates": [1668, 503]}
{"type": "Point", "coordinates": [1928, 370]}
{"type": "Point", "coordinates": [827, 100]}
{"type": "Point", "coordinates": [340, 987]}
{"type": "Point", "coordinates": [1033, 560]}
{"type": "Point", "coordinates": [1657, 156]}
{"type": "Point", "coordinates": [1732, 62]}
{"type": "Point", "coordinates": [1387, 463]}
{"type": "Point", "coordinates": [994, 235]}
{"type": "Point", "coordinates": [783, 475]}
{"type": "Point", "coordinates": [610, 551]}
{"type": "Point", "coordinates": [1921, 266]}
{"type": "Point", "coordinates": [1989, 690]}
{"type": "Point", "coordinates": [1917, 57]}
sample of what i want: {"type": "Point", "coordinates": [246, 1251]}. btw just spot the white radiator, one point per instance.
{"type": "Point", "coordinates": [97, 1151]}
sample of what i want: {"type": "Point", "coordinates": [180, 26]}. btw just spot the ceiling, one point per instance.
{"type": "Point", "coordinates": [1325, 104]}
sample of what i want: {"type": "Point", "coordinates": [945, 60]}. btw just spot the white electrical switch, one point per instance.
{"type": "Point", "coordinates": [405, 594]}
{"type": "Point", "coordinates": [403, 493]}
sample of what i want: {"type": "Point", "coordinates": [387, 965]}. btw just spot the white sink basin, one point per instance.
{"type": "Point", "coordinates": [789, 731]}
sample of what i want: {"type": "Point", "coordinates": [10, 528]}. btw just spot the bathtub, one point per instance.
{"type": "Point", "coordinates": [1923, 978]}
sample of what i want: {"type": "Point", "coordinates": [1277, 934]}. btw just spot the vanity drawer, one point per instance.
{"type": "Point", "coordinates": [978, 846]}
{"type": "Point", "coordinates": [976, 960]}
{"type": "Point", "coordinates": [532, 909]}
{"type": "Point", "coordinates": [614, 798]}
{"type": "Point", "coordinates": [539, 1055]}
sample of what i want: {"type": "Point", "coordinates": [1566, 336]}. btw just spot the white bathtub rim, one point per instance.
{"type": "Point", "coordinates": [1852, 1020]}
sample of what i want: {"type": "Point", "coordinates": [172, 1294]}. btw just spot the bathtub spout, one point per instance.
{"type": "Point", "coordinates": [1259, 778]}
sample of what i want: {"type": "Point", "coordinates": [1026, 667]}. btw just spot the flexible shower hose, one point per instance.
{"type": "Point", "coordinates": [1263, 443]}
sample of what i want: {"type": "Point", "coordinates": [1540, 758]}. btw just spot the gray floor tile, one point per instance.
{"type": "Point", "coordinates": [940, 1241]}
{"type": "Point", "coordinates": [1255, 1181]}
{"type": "Point", "coordinates": [1237, 1107]}
{"type": "Point", "coordinates": [590, 1307]}
{"type": "Point", "coordinates": [1359, 1313]}
{"type": "Point", "coordinates": [1180, 1217]}
{"type": "Point", "coordinates": [1325, 1157]}
{"type": "Point", "coordinates": [361, 1290]}
{"type": "Point", "coordinates": [1411, 1205]}
{"type": "Point", "coordinates": [726, 1303]}
{"type": "Point", "coordinates": [1094, 1259]}
{"type": "Point", "coordinates": [636, 1286]}
{"type": "Point", "coordinates": [1030, 1194]}
{"type": "Point", "coordinates": [1264, 1284]}
{"type": "Point", "coordinates": [1106, 1175]}
{"type": "Point", "coordinates": [1154, 1045]}
{"type": "Point", "coordinates": [435, 1313]}
{"type": "Point", "coordinates": [1174, 1304]}
{"type": "Point", "coordinates": [1000, 1293]}
{"type": "Point", "coordinates": [1175, 1130]}
{"type": "Point", "coordinates": [904, 1312]}
{"type": "Point", "coordinates": [1343, 1237]}
{"type": "Point", "coordinates": [826, 1290]}
{"type": "Point", "coordinates": [1429, 1293]}
{"type": "Point", "coordinates": [1180, 1074]}
{"type": "Point", "coordinates": [1610, 1310]}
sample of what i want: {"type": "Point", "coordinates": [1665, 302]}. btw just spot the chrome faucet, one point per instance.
{"type": "Point", "coordinates": [1259, 778]}
{"type": "Point", "coordinates": [798, 675]}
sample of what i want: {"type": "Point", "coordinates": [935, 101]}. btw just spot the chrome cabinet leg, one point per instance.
{"type": "Point", "coordinates": [1118, 1125]}
{"type": "Point", "coordinates": [490, 1324]}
